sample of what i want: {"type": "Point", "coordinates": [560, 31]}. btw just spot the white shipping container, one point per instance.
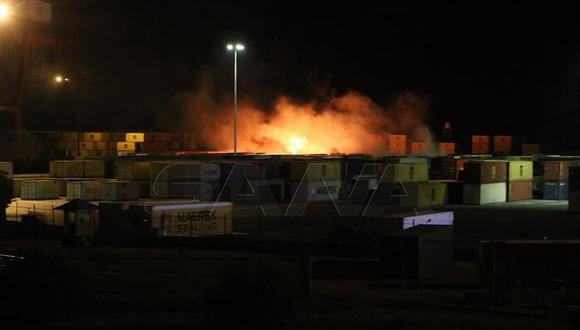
{"type": "Point", "coordinates": [87, 190]}
{"type": "Point", "coordinates": [315, 191]}
{"type": "Point", "coordinates": [7, 169]}
{"type": "Point", "coordinates": [38, 189]}
{"type": "Point", "coordinates": [120, 190]}
{"type": "Point", "coordinates": [133, 170]}
{"type": "Point", "coordinates": [77, 168]}
{"type": "Point", "coordinates": [193, 220]}
{"type": "Point", "coordinates": [486, 193]}
{"type": "Point", "coordinates": [168, 170]}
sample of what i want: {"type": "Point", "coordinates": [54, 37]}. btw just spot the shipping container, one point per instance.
{"type": "Point", "coordinates": [480, 148]}
{"type": "Point", "coordinates": [192, 220]}
{"type": "Point", "coordinates": [520, 170]}
{"type": "Point", "coordinates": [133, 170]}
{"type": "Point", "coordinates": [313, 170]}
{"type": "Point", "coordinates": [420, 148]}
{"type": "Point", "coordinates": [169, 170]}
{"type": "Point", "coordinates": [519, 191]}
{"type": "Point", "coordinates": [486, 171]}
{"type": "Point", "coordinates": [405, 173]}
{"type": "Point", "coordinates": [452, 167]}
{"type": "Point", "coordinates": [530, 149]}
{"type": "Point", "coordinates": [120, 190]}
{"type": "Point", "coordinates": [7, 169]}
{"type": "Point", "coordinates": [77, 168]}
{"type": "Point", "coordinates": [446, 148]}
{"type": "Point", "coordinates": [38, 189]}
{"type": "Point", "coordinates": [126, 146]}
{"type": "Point", "coordinates": [555, 190]}
{"type": "Point", "coordinates": [486, 193]}
{"type": "Point", "coordinates": [96, 137]}
{"type": "Point", "coordinates": [425, 194]}
{"type": "Point", "coordinates": [502, 144]}
{"type": "Point", "coordinates": [397, 144]}
{"type": "Point", "coordinates": [135, 137]}
{"type": "Point", "coordinates": [184, 188]}
{"type": "Point", "coordinates": [480, 139]}
{"type": "Point", "coordinates": [558, 170]}
{"type": "Point", "coordinates": [314, 191]}
{"type": "Point", "coordinates": [68, 136]}
{"type": "Point", "coordinates": [86, 190]}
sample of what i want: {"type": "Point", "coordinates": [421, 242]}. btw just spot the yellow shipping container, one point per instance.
{"type": "Point", "coordinates": [96, 137]}
{"type": "Point", "coordinates": [134, 137]}
{"type": "Point", "coordinates": [126, 146]}
{"type": "Point", "coordinates": [425, 194]}
{"type": "Point", "coordinates": [520, 170]}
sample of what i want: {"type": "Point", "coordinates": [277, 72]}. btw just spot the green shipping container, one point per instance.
{"type": "Point", "coordinates": [520, 170]}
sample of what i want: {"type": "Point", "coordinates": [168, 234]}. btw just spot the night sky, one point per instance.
{"type": "Point", "coordinates": [493, 69]}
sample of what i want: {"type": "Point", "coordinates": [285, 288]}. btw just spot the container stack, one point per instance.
{"type": "Point", "coordinates": [136, 171]}
{"type": "Point", "coordinates": [502, 144]}
{"type": "Point", "coordinates": [313, 180]}
{"type": "Point", "coordinates": [485, 182]}
{"type": "Point", "coordinates": [520, 176]}
{"type": "Point", "coordinates": [39, 189]}
{"type": "Point", "coordinates": [184, 179]}
{"type": "Point", "coordinates": [480, 144]}
{"type": "Point", "coordinates": [86, 190]}
{"type": "Point", "coordinates": [119, 190]}
{"type": "Point", "coordinates": [556, 178]}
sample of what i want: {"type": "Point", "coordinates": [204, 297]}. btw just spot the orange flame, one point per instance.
{"type": "Point", "coordinates": [351, 123]}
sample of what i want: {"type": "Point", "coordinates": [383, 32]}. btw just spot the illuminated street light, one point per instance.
{"type": "Point", "coordinates": [235, 48]}
{"type": "Point", "coordinates": [64, 80]}
{"type": "Point", "coordinates": [4, 11]}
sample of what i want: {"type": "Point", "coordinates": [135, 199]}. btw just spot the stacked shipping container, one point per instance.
{"type": "Point", "coordinates": [485, 182]}
{"type": "Point", "coordinates": [520, 175]}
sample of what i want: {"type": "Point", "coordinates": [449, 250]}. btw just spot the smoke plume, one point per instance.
{"type": "Point", "coordinates": [348, 123]}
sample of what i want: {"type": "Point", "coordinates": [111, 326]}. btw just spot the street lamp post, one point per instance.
{"type": "Point", "coordinates": [59, 79]}
{"type": "Point", "coordinates": [235, 48]}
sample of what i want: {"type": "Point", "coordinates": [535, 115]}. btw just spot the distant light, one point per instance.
{"type": "Point", "coordinates": [230, 47]}
{"type": "Point", "coordinates": [240, 47]}
{"type": "Point", "coordinates": [58, 79]}
{"type": "Point", "coordinates": [4, 11]}
{"type": "Point", "coordinates": [66, 79]}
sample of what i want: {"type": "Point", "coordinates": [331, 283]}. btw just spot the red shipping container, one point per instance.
{"type": "Point", "coordinates": [519, 191]}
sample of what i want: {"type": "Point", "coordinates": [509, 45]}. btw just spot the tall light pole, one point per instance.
{"type": "Point", "coordinates": [235, 48]}
{"type": "Point", "coordinates": [61, 80]}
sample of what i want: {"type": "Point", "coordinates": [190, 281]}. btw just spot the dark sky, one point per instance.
{"type": "Point", "coordinates": [511, 68]}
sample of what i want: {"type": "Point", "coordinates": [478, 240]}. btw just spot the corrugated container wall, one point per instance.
{"type": "Point", "coordinates": [38, 189]}
{"type": "Point", "coordinates": [397, 144]}
{"type": "Point", "coordinates": [519, 191]}
{"type": "Point", "coordinates": [487, 193]}
{"type": "Point", "coordinates": [502, 144]}
{"type": "Point", "coordinates": [520, 170]}
{"type": "Point", "coordinates": [557, 170]}
{"type": "Point", "coordinates": [480, 144]}
{"type": "Point", "coordinates": [87, 190]}
{"type": "Point", "coordinates": [77, 168]}
{"type": "Point", "coordinates": [419, 148]}
{"type": "Point", "coordinates": [478, 172]}
{"type": "Point", "coordinates": [314, 170]}
{"type": "Point", "coordinates": [120, 190]}
{"type": "Point", "coordinates": [405, 173]}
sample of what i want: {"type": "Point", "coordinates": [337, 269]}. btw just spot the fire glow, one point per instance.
{"type": "Point", "coordinates": [351, 123]}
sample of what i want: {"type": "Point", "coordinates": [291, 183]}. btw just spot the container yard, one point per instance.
{"type": "Point", "coordinates": [266, 165]}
